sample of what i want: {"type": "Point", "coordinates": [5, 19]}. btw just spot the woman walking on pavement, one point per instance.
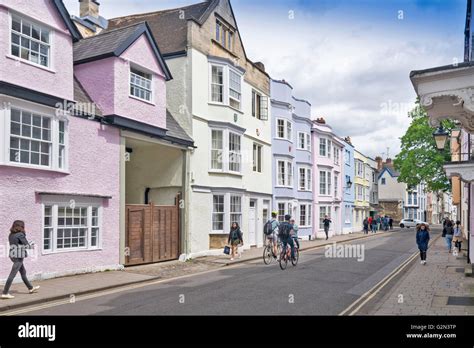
{"type": "Point", "coordinates": [422, 240]}
{"type": "Point", "coordinates": [448, 232]}
{"type": "Point", "coordinates": [235, 238]}
{"type": "Point", "coordinates": [18, 246]}
{"type": "Point", "coordinates": [457, 233]}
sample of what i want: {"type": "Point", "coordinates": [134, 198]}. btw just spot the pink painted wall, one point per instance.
{"type": "Point", "coordinates": [324, 163]}
{"type": "Point", "coordinates": [108, 83]}
{"type": "Point", "coordinates": [57, 81]}
{"type": "Point", "coordinates": [94, 157]}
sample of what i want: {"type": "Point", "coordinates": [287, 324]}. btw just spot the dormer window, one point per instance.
{"type": "Point", "coordinates": [30, 41]}
{"type": "Point", "coordinates": [224, 35]}
{"type": "Point", "coordinates": [140, 84]}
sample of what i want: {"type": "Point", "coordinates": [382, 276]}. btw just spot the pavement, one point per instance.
{"type": "Point", "coordinates": [425, 289]}
{"type": "Point", "coordinates": [71, 287]}
{"type": "Point", "coordinates": [321, 284]}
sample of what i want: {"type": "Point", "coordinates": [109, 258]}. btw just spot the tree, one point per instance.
{"type": "Point", "coordinates": [419, 160]}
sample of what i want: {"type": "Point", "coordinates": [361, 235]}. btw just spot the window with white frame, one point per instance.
{"type": "Point", "coordinates": [226, 151]}
{"type": "Point", "coordinates": [323, 211]}
{"type": "Point", "coordinates": [347, 214]}
{"type": "Point", "coordinates": [360, 169]}
{"type": "Point", "coordinates": [306, 215]}
{"type": "Point", "coordinates": [305, 179]}
{"type": "Point", "coordinates": [323, 182]}
{"type": "Point", "coordinates": [140, 84]}
{"type": "Point", "coordinates": [224, 35]}
{"type": "Point", "coordinates": [226, 85]}
{"type": "Point", "coordinates": [218, 212]}
{"type": "Point", "coordinates": [259, 106]}
{"type": "Point", "coordinates": [235, 156]}
{"type": "Point", "coordinates": [336, 185]}
{"type": "Point", "coordinates": [236, 209]}
{"type": "Point", "coordinates": [329, 148]}
{"type": "Point", "coordinates": [360, 192]}
{"type": "Point", "coordinates": [69, 226]}
{"type": "Point", "coordinates": [257, 157]}
{"type": "Point", "coordinates": [283, 209]}
{"type": "Point", "coordinates": [35, 139]}
{"type": "Point", "coordinates": [304, 141]}
{"type": "Point", "coordinates": [285, 173]}
{"type": "Point", "coordinates": [284, 129]}
{"type": "Point", "coordinates": [347, 157]}
{"type": "Point", "coordinates": [337, 152]}
{"type": "Point", "coordinates": [367, 194]}
{"type": "Point", "coordinates": [235, 89]}
{"type": "Point", "coordinates": [322, 147]}
{"type": "Point", "coordinates": [30, 41]}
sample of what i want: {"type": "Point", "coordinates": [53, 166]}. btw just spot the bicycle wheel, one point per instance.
{"type": "Point", "coordinates": [283, 260]}
{"type": "Point", "coordinates": [297, 257]}
{"type": "Point", "coordinates": [267, 255]}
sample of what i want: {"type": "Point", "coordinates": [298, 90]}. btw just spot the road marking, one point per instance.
{"type": "Point", "coordinates": [141, 285]}
{"type": "Point", "coordinates": [370, 294]}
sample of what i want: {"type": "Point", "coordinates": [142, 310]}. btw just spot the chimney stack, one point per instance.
{"type": "Point", "coordinates": [260, 65]}
{"type": "Point", "coordinates": [320, 120]}
{"type": "Point", "coordinates": [348, 140]}
{"type": "Point", "coordinates": [89, 8]}
{"type": "Point", "coordinates": [389, 161]}
{"type": "Point", "coordinates": [379, 161]}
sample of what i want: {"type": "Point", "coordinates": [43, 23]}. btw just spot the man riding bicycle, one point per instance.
{"type": "Point", "coordinates": [284, 233]}
{"type": "Point", "coordinates": [273, 235]}
{"type": "Point", "coordinates": [294, 233]}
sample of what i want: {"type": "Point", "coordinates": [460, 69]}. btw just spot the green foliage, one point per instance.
{"type": "Point", "coordinates": [419, 160]}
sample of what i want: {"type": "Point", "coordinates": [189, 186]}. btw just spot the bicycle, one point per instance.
{"type": "Point", "coordinates": [268, 251]}
{"type": "Point", "coordinates": [286, 255]}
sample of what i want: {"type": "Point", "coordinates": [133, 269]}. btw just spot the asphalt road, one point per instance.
{"type": "Point", "coordinates": [318, 285]}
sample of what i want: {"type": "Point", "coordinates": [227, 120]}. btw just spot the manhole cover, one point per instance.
{"type": "Point", "coordinates": [460, 301]}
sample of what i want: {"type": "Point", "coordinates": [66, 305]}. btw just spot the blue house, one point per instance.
{"type": "Point", "coordinates": [348, 188]}
{"type": "Point", "coordinates": [292, 157]}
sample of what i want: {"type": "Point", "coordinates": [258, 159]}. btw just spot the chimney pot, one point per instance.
{"type": "Point", "coordinates": [89, 8]}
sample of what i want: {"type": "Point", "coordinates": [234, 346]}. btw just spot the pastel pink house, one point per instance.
{"type": "Point", "coordinates": [328, 151]}
{"type": "Point", "coordinates": [71, 109]}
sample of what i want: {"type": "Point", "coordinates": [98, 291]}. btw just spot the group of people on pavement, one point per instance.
{"type": "Point", "coordinates": [377, 223]}
{"type": "Point", "coordinates": [452, 232]}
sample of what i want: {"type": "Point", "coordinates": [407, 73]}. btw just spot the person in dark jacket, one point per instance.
{"type": "Point", "coordinates": [235, 238]}
{"type": "Point", "coordinates": [422, 240]}
{"type": "Point", "coordinates": [366, 226]}
{"type": "Point", "coordinates": [448, 232]}
{"type": "Point", "coordinates": [390, 222]}
{"type": "Point", "coordinates": [374, 225]}
{"type": "Point", "coordinates": [18, 245]}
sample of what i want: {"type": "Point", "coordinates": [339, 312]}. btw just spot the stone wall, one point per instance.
{"type": "Point", "coordinates": [392, 209]}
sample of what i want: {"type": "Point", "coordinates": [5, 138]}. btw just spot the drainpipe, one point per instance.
{"type": "Point", "coordinates": [147, 195]}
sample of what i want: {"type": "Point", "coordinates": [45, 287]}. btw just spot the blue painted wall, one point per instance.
{"type": "Point", "coordinates": [349, 193]}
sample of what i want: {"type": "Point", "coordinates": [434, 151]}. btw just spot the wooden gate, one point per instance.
{"type": "Point", "coordinates": [152, 233]}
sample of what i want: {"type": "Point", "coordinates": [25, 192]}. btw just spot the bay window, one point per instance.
{"type": "Point", "coordinates": [285, 173]}
{"type": "Point", "coordinates": [217, 84]}
{"type": "Point", "coordinates": [225, 85]}
{"type": "Point", "coordinates": [304, 141]}
{"type": "Point", "coordinates": [284, 129]}
{"type": "Point", "coordinates": [226, 209]}
{"type": "Point", "coordinates": [235, 89]}
{"type": "Point", "coordinates": [226, 151]}
{"type": "Point", "coordinates": [305, 179]}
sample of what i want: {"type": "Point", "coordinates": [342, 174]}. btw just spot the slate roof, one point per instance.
{"type": "Point", "coordinates": [114, 43]}
{"type": "Point", "coordinates": [175, 130]}
{"type": "Point", "coordinates": [391, 170]}
{"type": "Point", "coordinates": [169, 29]}
{"type": "Point", "coordinates": [81, 96]}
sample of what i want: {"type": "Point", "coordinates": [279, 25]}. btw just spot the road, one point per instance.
{"type": "Point", "coordinates": [318, 285]}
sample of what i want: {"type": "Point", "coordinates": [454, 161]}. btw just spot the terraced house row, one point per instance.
{"type": "Point", "coordinates": [140, 139]}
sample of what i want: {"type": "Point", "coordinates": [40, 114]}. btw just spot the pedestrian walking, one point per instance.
{"type": "Point", "coordinates": [448, 232]}
{"type": "Point", "coordinates": [326, 223]}
{"type": "Point", "coordinates": [235, 239]}
{"type": "Point", "coordinates": [385, 223]}
{"type": "Point", "coordinates": [390, 222]}
{"type": "Point", "coordinates": [374, 225]}
{"type": "Point", "coordinates": [422, 241]}
{"type": "Point", "coordinates": [17, 253]}
{"type": "Point", "coordinates": [457, 236]}
{"type": "Point", "coordinates": [366, 226]}
{"type": "Point", "coordinates": [379, 223]}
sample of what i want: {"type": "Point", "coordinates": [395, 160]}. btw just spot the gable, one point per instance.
{"type": "Point", "coordinates": [141, 53]}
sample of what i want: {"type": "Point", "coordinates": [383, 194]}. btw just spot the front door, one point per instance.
{"type": "Point", "coordinates": [252, 222]}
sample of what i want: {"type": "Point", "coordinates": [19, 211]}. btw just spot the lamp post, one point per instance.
{"type": "Point", "coordinates": [440, 136]}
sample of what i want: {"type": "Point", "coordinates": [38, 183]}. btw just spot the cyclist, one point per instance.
{"type": "Point", "coordinates": [295, 232]}
{"type": "Point", "coordinates": [273, 236]}
{"type": "Point", "coordinates": [284, 232]}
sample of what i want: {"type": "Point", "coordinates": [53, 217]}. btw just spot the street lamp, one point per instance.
{"type": "Point", "coordinates": [349, 183]}
{"type": "Point", "coordinates": [440, 136]}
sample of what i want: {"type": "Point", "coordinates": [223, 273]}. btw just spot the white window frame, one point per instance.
{"type": "Point", "coordinates": [347, 157]}
{"type": "Point", "coordinates": [306, 139]}
{"type": "Point", "coordinates": [227, 210]}
{"type": "Point", "coordinates": [150, 80]}
{"type": "Point", "coordinates": [308, 180]}
{"type": "Point", "coordinates": [280, 217]}
{"type": "Point", "coordinates": [39, 110]}
{"type": "Point", "coordinates": [323, 145]}
{"type": "Point", "coordinates": [327, 211]}
{"type": "Point", "coordinates": [308, 215]}
{"type": "Point", "coordinates": [225, 151]}
{"type": "Point", "coordinates": [261, 113]}
{"type": "Point", "coordinates": [257, 157]}
{"type": "Point", "coordinates": [336, 185]}
{"type": "Point", "coordinates": [226, 97]}
{"type": "Point", "coordinates": [337, 155]}
{"type": "Point", "coordinates": [287, 129]}
{"type": "Point", "coordinates": [287, 176]}
{"type": "Point", "coordinates": [40, 26]}
{"type": "Point", "coordinates": [71, 201]}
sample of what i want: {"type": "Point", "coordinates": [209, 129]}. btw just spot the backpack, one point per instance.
{"type": "Point", "coordinates": [285, 229]}
{"type": "Point", "coordinates": [267, 228]}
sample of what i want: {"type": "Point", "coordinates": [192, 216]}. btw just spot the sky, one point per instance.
{"type": "Point", "coordinates": [351, 59]}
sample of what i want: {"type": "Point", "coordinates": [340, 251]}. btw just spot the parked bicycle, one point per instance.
{"type": "Point", "coordinates": [285, 255]}
{"type": "Point", "coordinates": [268, 251]}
